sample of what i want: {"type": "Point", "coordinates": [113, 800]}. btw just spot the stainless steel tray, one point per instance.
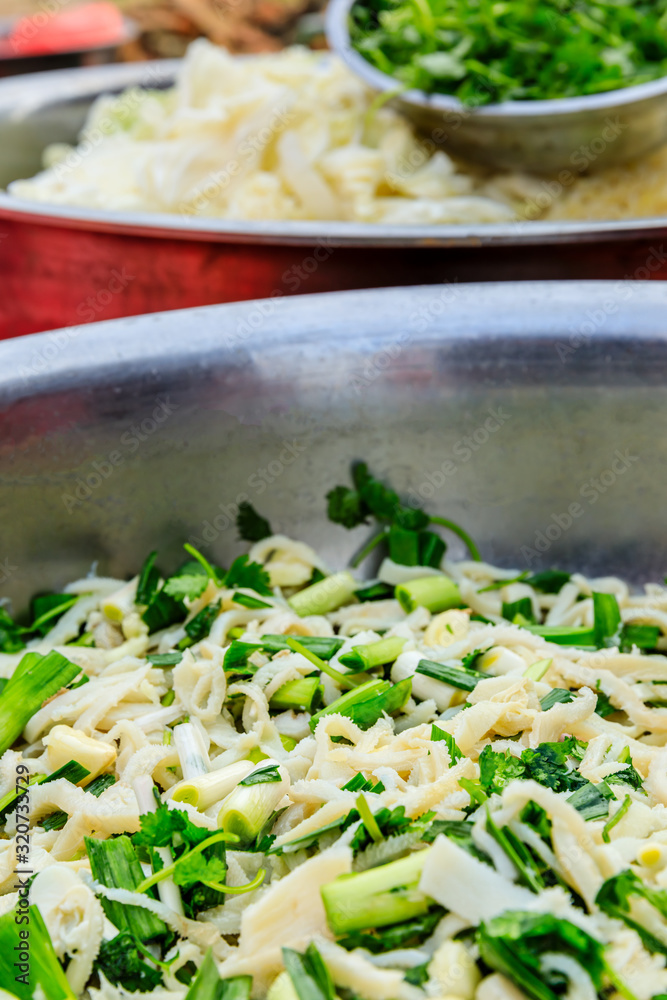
{"type": "Point", "coordinates": [54, 259]}
{"type": "Point", "coordinates": [534, 414]}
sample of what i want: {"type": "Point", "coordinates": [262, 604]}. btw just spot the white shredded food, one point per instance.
{"type": "Point", "coordinates": [292, 135]}
{"type": "Point", "coordinates": [494, 832]}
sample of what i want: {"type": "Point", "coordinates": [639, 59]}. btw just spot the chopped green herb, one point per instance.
{"type": "Point", "coordinates": [252, 576]}
{"type": "Point", "coordinates": [36, 679]}
{"type": "Point", "coordinates": [522, 607]}
{"type": "Point", "coordinates": [629, 775]}
{"type": "Point", "coordinates": [164, 659]}
{"type": "Point", "coordinates": [149, 581]}
{"type": "Point", "coordinates": [309, 975]}
{"type": "Point", "coordinates": [592, 801]}
{"type": "Point", "coordinates": [407, 934]}
{"type": "Point", "coordinates": [515, 942]}
{"type": "Point", "coordinates": [616, 818]}
{"type": "Point", "coordinates": [555, 697]}
{"type": "Point", "coordinates": [455, 753]}
{"type": "Point", "coordinates": [615, 899]}
{"type": "Point", "coordinates": [512, 52]}
{"type": "Point", "coordinates": [248, 601]}
{"type": "Point", "coordinates": [251, 526]}
{"type": "Point", "coordinates": [452, 674]}
{"type": "Point", "coordinates": [123, 965]}
{"type": "Point", "coordinates": [607, 618]}
{"type": "Point", "coordinates": [262, 776]}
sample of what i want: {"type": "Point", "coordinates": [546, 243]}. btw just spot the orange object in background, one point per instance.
{"type": "Point", "coordinates": [75, 29]}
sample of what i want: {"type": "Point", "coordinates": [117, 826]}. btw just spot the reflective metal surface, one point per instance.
{"type": "Point", "coordinates": [542, 137]}
{"type": "Point", "coordinates": [534, 414]}
{"type": "Point", "coordinates": [58, 264]}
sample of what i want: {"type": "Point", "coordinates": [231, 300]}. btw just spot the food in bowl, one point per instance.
{"type": "Point", "coordinates": [279, 781]}
{"type": "Point", "coordinates": [486, 53]}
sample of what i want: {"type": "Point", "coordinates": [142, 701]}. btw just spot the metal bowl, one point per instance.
{"type": "Point", "coordinates": [542, 137]}
{"type": "Point", "coordinates": [534, 414]}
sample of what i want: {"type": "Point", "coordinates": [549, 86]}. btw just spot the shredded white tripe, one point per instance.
{"type": "Point", "coordinates": [196, 728]}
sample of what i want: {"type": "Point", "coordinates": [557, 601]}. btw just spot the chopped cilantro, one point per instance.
{"type": "Point", "coordinates": [251, 526]}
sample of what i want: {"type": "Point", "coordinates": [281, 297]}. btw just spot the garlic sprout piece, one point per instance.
{"type": "Point", "coordinates": [248, 809]}
{"type": "Point", "coordinates": [191, 750]}
{"type": "Point", "coordinates": [205, 790]}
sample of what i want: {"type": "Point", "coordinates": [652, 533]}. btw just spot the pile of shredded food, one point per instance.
{"type": "Point", "coordinates": [277, 781]}
{"type": "Point", "coordinates": [292, 135]}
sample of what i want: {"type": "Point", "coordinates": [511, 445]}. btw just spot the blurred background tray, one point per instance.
{"type": "Point", "coordinates": [67, 266]}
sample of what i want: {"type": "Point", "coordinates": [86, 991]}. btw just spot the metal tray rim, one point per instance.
{"type": "Point", "coordinates": [482, 311]}
{"type": "Point", "coordinates": [161, 225]}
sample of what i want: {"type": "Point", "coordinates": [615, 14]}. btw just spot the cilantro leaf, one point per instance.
{"type": "Point", "coordinates": [169, 828]}
{"type": "Point", "coordinates": [243, 573]}
{"type": "Point", "coordinates": [345, 506]}
{"type": "Point", "coordinates": [547, 764]}
{"type": "Point", "coordinates": [262, 776]}
{"type": "Point", "coordinates": [392, 823]}
{"type": "Point", "coordinates": [11, 640]}
{"type": "Point", "coordinates": [496, 770]}
{"type": "Point", "coordinates": [163, 611]}
{"type": "Point", "coordinates": [200, 626]}
{"type": "Point", "coordinates": [251, 526]}
{"type": "Point", "coordinates": [119, 960]}
{"type": "Point", "coordinates": [197, 868]}
{"type": "Point", "coordinates": [629, 776]}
